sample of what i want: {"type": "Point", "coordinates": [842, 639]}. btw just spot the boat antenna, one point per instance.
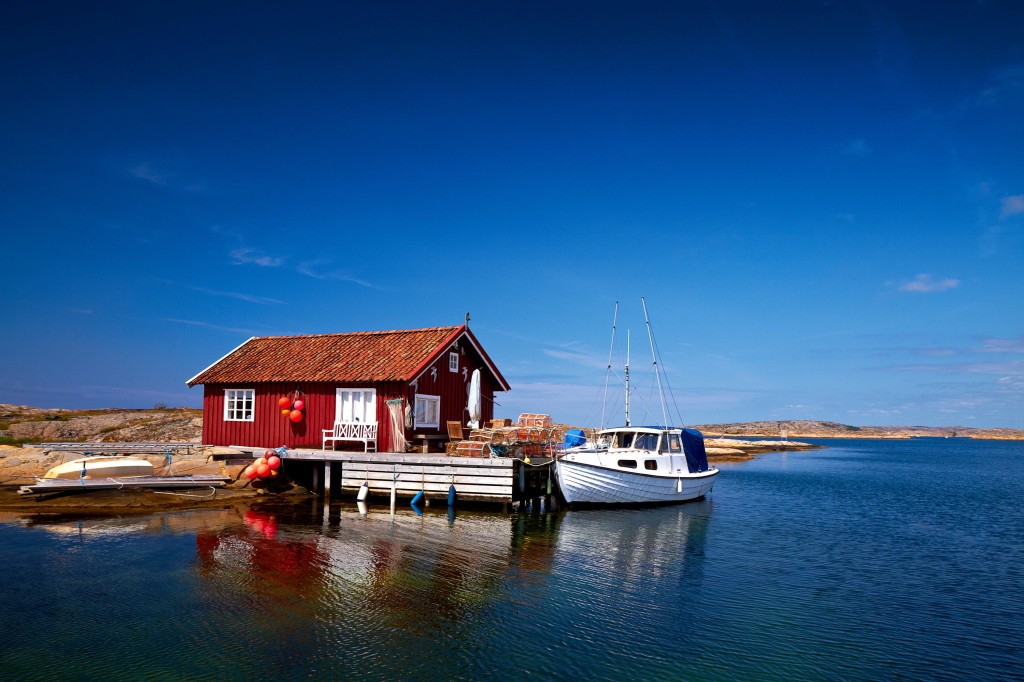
{"type": "Point", "coordinates": [608, 372]}
{"type": "Point", "coordinates": [654, 357]}
{"type": "Point", "coordinates": [627, 378]}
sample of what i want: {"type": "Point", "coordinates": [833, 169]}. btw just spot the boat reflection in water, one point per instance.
{"type": "Point", "coordinates": [304, 592]}
{"type": "Point", "coordinates": [385, 596]}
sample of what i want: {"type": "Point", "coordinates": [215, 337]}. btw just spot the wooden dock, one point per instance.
{"type": "Point", "coordinates": [506, 480]}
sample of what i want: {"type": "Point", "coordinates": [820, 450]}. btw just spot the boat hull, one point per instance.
{"type": "Point", "coordinates": [584, 483]}
{"type": "Point", "coordinates": [102, 467]}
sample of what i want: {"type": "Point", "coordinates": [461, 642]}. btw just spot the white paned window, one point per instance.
{"type": "Point", "coordinates": [239, 404]}
{"type": "Point", "coordinates": [427, 411]}
{"type": "Point", "coordinates": [356, 406]}
{"type": "Point", "coordinates": [453, 362]}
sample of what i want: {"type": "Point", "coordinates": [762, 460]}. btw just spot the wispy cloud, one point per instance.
{"type": "Point", "coordinates": [925, 283]}
{"type": "Point", "coordinates": [857, 147]}
{"type": "Point", "coordinates": [244, 255]}
{"type": "Point", "coordinates": [1012, 205]}
{"type": "Point", "coordinates": [145, 171]}
{"type": "Point", "coordinates": [1005, 83]}
{"type": "Point", "coordinates": [233, 294]}
{"type": "Point", "coordinates": [207, 325]}
{"type": "Point", "coordinates": [999, 345]}
{"type": "Point", "coordinates": [577, 357]}
{"type": "Point", "coordinates": [1010, 370]}
{"type": "Point", "coordinates": [162, 178]}
{"type": "Point", "coordinates": [320, 269]}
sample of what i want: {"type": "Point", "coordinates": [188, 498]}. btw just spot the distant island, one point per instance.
{"type": "Point", "coordinates": [801, 428]}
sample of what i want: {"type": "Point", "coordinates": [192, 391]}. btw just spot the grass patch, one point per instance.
{"type": "Point", "coordinates": [17, 442]}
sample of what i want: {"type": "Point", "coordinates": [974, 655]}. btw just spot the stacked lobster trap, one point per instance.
{"type": "Point", "coordinates": [533, 435]}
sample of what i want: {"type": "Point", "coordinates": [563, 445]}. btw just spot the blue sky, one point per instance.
{"type": "Point", "coordinates": [822, 202]}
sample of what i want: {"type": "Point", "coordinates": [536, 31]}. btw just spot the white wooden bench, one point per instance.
{"type": "Point", "coordinates": [358, 431]}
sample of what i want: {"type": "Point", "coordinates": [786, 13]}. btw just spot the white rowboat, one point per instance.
{"type": "Point", "coordinates": [102, 466]}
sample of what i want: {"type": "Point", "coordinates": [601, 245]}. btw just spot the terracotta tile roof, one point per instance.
{"type": "Point", "coordinates": [355, 357]}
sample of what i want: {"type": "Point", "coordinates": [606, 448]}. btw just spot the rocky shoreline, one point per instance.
{"type": "Point", "coordinates": [20, 463]}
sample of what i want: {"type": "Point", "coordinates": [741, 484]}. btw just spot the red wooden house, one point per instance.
{"type": "Point", "coordinates": [405, 383]}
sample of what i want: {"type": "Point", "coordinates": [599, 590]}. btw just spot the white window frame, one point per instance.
{"type": "Point", "coordinates": [423, 399]}
{"type": "Point", "coordinates": [355, 405]}
{"type": "Point", "coordinates": [239, 404]}
{"type": "Point", "coordinates": [453, 362]}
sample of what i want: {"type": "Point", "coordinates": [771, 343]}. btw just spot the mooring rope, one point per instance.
{"type": "Point", "coordinates": [213, 491]}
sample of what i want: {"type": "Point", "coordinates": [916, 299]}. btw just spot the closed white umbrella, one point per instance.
{"type": "Point", "coordinates": [474, 400]}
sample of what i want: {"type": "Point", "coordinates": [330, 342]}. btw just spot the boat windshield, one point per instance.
{"type": "Point", "coordinates": [622, 439]}
{"type": "Point", "coordinates": [646, 441]}
{"type": "Point", "coordinates": [626, 440]}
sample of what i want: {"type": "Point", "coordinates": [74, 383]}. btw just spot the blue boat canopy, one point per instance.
{"type": "Point", "coordinates": [574, 438]}
{"type": "Point", "coordinates": [693, 448]}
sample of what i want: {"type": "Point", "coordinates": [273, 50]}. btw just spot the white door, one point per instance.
{"type": "Point", "coordinates": [356, 406]}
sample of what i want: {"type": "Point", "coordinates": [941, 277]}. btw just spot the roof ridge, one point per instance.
{"type": "Point", "coordinates": [390, 331]}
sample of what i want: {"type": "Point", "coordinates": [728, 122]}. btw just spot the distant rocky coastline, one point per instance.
{"type": "Point", "coordinates": [824, 429]}
{"type": "Point", "coordinates": [23, 424]}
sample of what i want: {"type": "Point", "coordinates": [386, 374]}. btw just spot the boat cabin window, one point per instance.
{"type": "Point", "coordinates": [627, 463]}
{"type": "Point", "coordinates": [623, 439]}
{"type": "Point", "coordinates": [646, 441]}
{"type": "Point", "coordinates": [651, 464]}
{"type": "Point", "coordinates": [673, 443]}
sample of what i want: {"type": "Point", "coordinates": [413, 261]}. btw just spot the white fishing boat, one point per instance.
{"type": "Point", "coordinates": [636, 464]}
{"type": "Point", "coordinates": [102, 466]}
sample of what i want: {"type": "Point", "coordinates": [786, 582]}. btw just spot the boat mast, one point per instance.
{"type": "Point", "coordinates": [608, 372]}
{"type": "Point", "coordinates": [654, 356]}
{"type": "Point", "coordinates": [627, 377]}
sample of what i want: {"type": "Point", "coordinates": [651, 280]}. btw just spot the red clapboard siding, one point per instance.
{"type": "Point", "coordinates": [271, 429]}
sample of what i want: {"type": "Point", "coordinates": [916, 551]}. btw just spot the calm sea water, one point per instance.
{"type": "Point", "coordinates": [870, 560]}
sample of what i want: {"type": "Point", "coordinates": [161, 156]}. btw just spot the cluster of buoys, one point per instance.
{"type": "Point", "coordinates": [291, 408]}
{"type": "Point", "coordinates": [265, 467]}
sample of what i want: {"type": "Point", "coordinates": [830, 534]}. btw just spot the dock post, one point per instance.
{"type": "Point", "coordinates": [327, 480]}
{"type": "Point", "coordinates": [316, 479]}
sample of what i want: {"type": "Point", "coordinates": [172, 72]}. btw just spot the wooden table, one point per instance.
{"type": "Point", "coordinates": [426, 438]}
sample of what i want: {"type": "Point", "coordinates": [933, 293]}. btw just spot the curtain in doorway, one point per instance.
{"type": "Point", "coordinates": [398, 442]}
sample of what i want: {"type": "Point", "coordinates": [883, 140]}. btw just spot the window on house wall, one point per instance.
{"type": "Point", "coordinates": [355, 405]}
{"type": "Point", "coordinates": [239, 404]}
{"type": "Point", "coordinates": [427, 411]}
{"type": "Point", "coordinates": [453, 362]}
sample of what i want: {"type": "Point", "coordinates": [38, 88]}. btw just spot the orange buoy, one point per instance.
{"type": "Point", "coordinates": [295, 416]}
{"type": "Point", "coordinates": [250, 471]}
{"type": "Point", "coordinates": [263, 470]}
{"type": "Point", "coordinates": [286, 412]}
{"type": "Point", "coordinates": [284, 402]}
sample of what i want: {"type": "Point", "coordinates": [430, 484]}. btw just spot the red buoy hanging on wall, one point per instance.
{"type": "Point", "coordinates": [295, 416]}
{"type": "Point", "coordinates": [299, 405]}
{"type": "Point", "coordinates": [284, 402]}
